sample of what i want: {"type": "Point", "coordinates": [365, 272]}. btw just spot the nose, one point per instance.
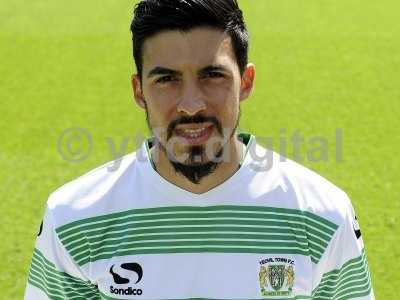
{"type": "Point", "coordinates": [192, 99]}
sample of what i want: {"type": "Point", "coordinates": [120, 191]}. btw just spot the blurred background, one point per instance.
{"type": "Point", "coordinates": [323, 67]}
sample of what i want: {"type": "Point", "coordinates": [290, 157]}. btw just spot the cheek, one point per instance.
{"type": "Point", "coordinates": [224, 100]}
{"type": "Point", "coordinates": [218, 89]}
{"type": "Point", "coordinates": [161, 104]}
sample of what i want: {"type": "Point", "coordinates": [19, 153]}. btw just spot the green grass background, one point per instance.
{"type": "Point", "coordinates": [321, 64]}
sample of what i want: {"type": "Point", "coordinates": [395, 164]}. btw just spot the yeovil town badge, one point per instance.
{"type": "Point", "coordinates": [276, 276]}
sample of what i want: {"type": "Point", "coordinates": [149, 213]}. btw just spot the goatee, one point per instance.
{"type": "Point", "coordinates": [194, 171]}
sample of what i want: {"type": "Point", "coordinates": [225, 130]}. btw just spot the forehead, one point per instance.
{"type": "Point", "coordinates": [195, 48]}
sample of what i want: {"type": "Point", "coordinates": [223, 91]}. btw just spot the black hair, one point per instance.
{"type": "Point", "coordinates": [154, 16]}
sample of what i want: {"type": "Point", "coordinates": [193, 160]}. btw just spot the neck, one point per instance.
{"type": "Point", "coordinates": [232, 150]}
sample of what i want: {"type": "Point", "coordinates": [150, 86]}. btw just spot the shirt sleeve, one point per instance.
{"type": "Point", "coordinates": [343, 272]}
{"type": "Point", "coordinates": [53, 274]}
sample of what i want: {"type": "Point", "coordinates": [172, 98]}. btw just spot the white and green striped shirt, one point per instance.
{"type": "Point", "coordinates": [274, 230]}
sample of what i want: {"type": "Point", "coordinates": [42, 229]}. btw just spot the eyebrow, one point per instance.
{"type": "Point", "coordinates": [213, 68]}
{"type": "Point", "coordinates": [165, 71]}
{"type": "Point", "coordinates": [162, 71]}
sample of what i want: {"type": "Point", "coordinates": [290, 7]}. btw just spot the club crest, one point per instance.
{"type": "Point", "coordinates": [276, 276]}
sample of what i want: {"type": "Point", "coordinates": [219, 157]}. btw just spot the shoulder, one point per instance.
{"type": "Point", "coordinates": [308, 191]}
{"type": "Point", "coordinates": [317, 194]}
{"type": "Point", "coordinates": [90, 194]}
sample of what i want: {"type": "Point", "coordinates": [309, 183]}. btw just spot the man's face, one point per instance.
{"type": "Point", "coordinates": [191, 89]}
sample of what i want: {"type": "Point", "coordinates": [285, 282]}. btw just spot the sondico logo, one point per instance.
{"type": "Point", "coordinates": [118, 279]}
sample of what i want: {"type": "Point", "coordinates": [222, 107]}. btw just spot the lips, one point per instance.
{"type": "Point", "coordinates": [195, 135]}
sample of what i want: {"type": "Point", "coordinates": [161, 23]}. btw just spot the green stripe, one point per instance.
{"type": "Point", "coordinates": [200, 249]}
{"type": "Point", "coordinates": [208, 209]}
{"type": "Point", "coordinates": [179, 236]}
{"type": "Point", "coordinates": [182, 216]}
{"type": "Point", "coordinates": [317, 219]}
{"type": "Point", "coordinates": [337, 275]}
{"type": "Point", "coordinates": [194, 243]}
{"type": "Point", "coordinates": [37, 274]}
{"type": "Point", "coordinates": [160, 230]}
{"type": "Point", "coordinates": [350, 281]}
{"type": "Point", "coordinates": [104, 235]}
{"type": "Point", "coordinates": [352, 295]}
{"type": "Point", "coordinates": [238, 231]}
{"type": "Point", "coordinates": [55, 284]}
{"type": "Point", "coordinates": [105, 297]}
{"type": "Point", "coordinates": [116, 227]}
{"type": "Point", "coordinates": [192, 240]}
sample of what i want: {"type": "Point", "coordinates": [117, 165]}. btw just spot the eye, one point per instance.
{"type": "Point", "coordinates": [213, 75]}
{"type": "Point", "coordinates": [165, 79]}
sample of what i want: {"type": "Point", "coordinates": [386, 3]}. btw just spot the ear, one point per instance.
{"type": "Point", "coordinates": [247, 83]}
{"type": "Point", "coordinates": [137, 91]}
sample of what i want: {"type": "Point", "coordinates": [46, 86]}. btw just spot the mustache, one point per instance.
{"type": "Point", "coordinates": [193, 120]}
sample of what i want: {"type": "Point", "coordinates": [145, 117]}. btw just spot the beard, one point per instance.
{"type": "Point", "coordinates": [197, 165]}
{"type": "Point", "coordinates": [192, 169]}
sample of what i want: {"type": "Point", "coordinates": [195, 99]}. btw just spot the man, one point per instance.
{"type": "Point", "coordinates": [195, 212]}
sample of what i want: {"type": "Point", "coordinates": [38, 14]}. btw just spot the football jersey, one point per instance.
{"type": "Point", "coordinates": [273, 230]}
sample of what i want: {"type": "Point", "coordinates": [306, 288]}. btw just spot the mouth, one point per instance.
{"type": "Point", "coordinates": [195, 135]}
